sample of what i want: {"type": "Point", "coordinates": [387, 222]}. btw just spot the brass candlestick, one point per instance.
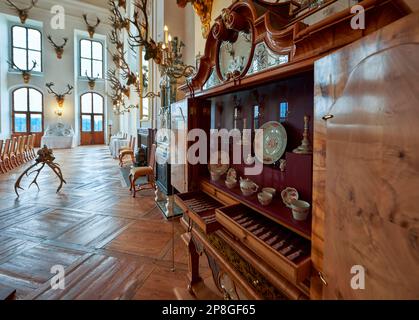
{"type": "Point", "coordinates": [305, 147]}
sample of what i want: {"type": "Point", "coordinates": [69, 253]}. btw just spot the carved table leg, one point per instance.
{"type": "Point", "coordinates": [193, 262]}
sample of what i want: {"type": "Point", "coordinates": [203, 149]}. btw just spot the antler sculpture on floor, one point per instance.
{"type": "Point", "coordinates": [45, 158]}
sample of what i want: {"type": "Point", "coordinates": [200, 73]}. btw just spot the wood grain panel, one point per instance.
{"type": "Point", "coordinates": [95, 232]}
{"type": "Point", "coordinates": [98, 277]}
{"type": "Point", "coordinates": [31, 268]}
{"type": "Point", "coordinates": [371, 213]}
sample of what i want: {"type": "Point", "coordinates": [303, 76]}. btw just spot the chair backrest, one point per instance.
{"type": "Point", "coordinates": [13, 145]}
{"type": "Point", "coordinates": [125, 135]}
{"type": "Point", "coordinates": [7, 148]}
{"type": "Point", "coordinates": [23, 144]}
{"type": "Point", "coordinates": [33, 141]}
{"type": "Point", "coordinates": [19, 143]}
{"type": "Point", "coordinates": [152, 158]}
{"type": "Point", "coordinates": [132, 144]}
{"type": "Point", "coordinates": [29, 142]}
{"type": "Point", "coordinates": [1, 148]}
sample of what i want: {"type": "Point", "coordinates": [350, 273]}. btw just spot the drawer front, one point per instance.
{"type": "Point", "coordinates": [220, 196]}
{"type": "Point", "coordinates": [294, 272]}
{"type": "Point", "coordinates": [200, 208]}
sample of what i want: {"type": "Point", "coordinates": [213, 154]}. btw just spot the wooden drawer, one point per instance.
{"type": "Point", "coordinates": [200, 208]}
{"type": "Point", "coordinates": [287, 252]}
{"type": "Point", "coordinates": [220, 196]}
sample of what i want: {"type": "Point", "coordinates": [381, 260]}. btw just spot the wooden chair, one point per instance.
{"type": "Point", "coordinates": [20, 150]}
{"type": "Point", "coordinates": [128, 147]}
{"type": "Point", "coordinates": [12, 154]}
{"type": "Point", "coordinates": [148, 172]}
{"type": "Point", "coordinates": [127, 152]}
{"type": "Point", "coordinates": [27, 151]}
{"type": "Point", "coordinates": [32, 147]}
{"type": "Point", "coordinates": [5, 156]}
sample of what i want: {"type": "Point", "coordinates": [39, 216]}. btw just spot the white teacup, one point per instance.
{"type": "Point", "coordinates": [265, 198]}
{"type": "Point", "coordinates": [300, 209]}
{"type": "Point", "coordinates": [272, 191]}
{"type": "Point", "coordinates": [231, 183]}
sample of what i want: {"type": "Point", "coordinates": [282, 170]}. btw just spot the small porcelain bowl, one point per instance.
{"type": "Point", "coordinates": [230, 183]}
{"type": "Point", "coordinates": [215, 176]}
{"type": "Point", "coordinates": [265, 198]}
{"type": "Point", "coordinates": [300, 209]}
{"type": "Point", "coordinates": [269, 190]}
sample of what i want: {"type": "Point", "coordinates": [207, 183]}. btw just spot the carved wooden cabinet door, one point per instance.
{"type": "Point", "coordinates": [367, 164]}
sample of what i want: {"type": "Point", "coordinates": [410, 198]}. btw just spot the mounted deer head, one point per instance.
{"type": "Point", "coordinates": [26, 74]}
{"type": "Point", "coordinates": [23, 13]}
{"type": "Point", "coordinates": [116, 58]}
{"type": "Point", "coordinates": [122, 4]}
{"type": "Point", "coordinates": [142, 37]}
{"type": "Point", "coordinates": [117, 19]}
{"type": "Point", "coordinates": [91, 29]}
{"type": "Point", "coordinates": [116, 86]}
{"type": "Point", "coordinates": [59, 50]}
{"type": "Point", "coordinates": [59, 97]}
{"type": "Point", "coordinates": [92, 81]}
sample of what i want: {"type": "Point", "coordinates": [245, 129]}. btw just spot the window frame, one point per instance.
{"type": "Point", "coordinates": [12, 47]}
{"type": "Point", "coordinates": [92, 114]}
{"type": "Point", "coordinates": [28, 113]}
{"type": "Point", "coordinates": [91, 59]}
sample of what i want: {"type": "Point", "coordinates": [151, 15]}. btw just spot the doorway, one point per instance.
{"type": "Point", "coordinates": [92, 119]}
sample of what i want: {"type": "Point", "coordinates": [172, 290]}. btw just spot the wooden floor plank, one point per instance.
{"type": "Point", "coordinates": [111, 245]}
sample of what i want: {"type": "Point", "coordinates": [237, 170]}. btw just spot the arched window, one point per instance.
{"type": "Point", "coordinates": [92, 118]}
{"type": "Point", "coordinates": [26, 48]}
{"type": "Point", "coordinates": [91, 58]}
{"type": "Point", "coordinates": [27, 111]}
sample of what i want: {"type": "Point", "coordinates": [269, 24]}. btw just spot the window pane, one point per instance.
{"type": "Point", "coordinates": [20, 100]}
{"type": "Point", "coordinates": [86, 66]}
{"type": "Point", "coordinates": [97, 69]}
{"type": "Point", "coordinates": [19, 37]}
{"type": "Point", "coordinates": [19, 58]}
{"type": "Point", "coordinates": [98, 123]}
{"type": "Point", "coordinates": [97, 103]}
{"type": "Point", "coordinates": [97, 51]}
{"type": "Point", "coordinates": [86, 123]}
{"type": "Point", "coordinates": [20, 123]}
{"type": "Point", "coordinates": [34, 39]}
{"type": "Point", "coordinates": [36, 123]}
{"type": "Point", "coordinates": [35, 56]}
{"type": "Point", "coordinates": [145, 109]}
{"type": "Point", "coordinates": [86, 49]}
{"type": "Point", "coordinates": [35, 100]}
{"type": "Point", "coordinates": [86, 103]}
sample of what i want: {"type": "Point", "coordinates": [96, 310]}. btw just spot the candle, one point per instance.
{"type": "Point", "coordinates": [170, 44]}
{"type": "Point", "coordinates": [166, 34]}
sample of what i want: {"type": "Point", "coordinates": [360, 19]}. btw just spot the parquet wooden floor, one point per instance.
{"type": "Point", "coordinates": [111, 245]}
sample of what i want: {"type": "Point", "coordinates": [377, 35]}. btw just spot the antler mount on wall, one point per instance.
{"type": "Point", "coordinates": [26, 73]}
{"type": "Point", "coordinates": [59, 50]}
{"type": "Point", "coordinates": [91, 29]}
{"type": "Point", "coordinates": [22, 13]}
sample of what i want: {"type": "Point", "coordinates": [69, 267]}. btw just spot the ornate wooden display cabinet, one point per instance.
{"type": "Point", "coordinates": [271, 62]}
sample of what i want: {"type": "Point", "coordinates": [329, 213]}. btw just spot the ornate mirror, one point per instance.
{"type": "Point", "coordinates": [235, 56]}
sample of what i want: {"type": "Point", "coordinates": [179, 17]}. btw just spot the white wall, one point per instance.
{"type": "Point", "coordinates": [61, 72]}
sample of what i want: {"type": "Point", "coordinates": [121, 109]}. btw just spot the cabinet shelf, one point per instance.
{"type": "Point", "coordinates": [276, 211]}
